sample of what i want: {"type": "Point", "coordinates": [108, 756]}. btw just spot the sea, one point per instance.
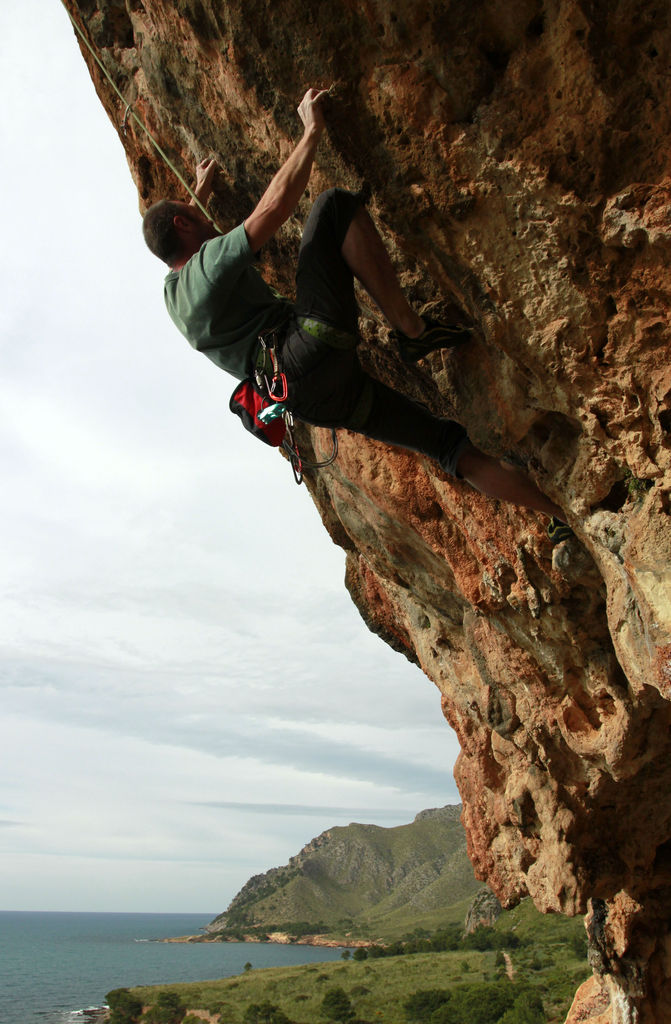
{"type": "Point", "coordinates": [54, 966]}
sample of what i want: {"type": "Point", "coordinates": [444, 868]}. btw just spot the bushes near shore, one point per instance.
{"type": "Point", "coordinates": [523, 972]}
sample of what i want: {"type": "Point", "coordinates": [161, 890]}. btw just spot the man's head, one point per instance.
{"type": "Point", "coordinates": [174, 231]}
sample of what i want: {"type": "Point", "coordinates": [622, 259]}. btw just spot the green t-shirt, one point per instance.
{"type": "Point", "coordinates": [220, 302]}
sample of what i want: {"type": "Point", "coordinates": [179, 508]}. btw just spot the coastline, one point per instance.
{"type": "Point", "coordinates": [282, 938]}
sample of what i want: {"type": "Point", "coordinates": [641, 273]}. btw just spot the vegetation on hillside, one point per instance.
{"type": "Point", "coordinates": [524, 970]}
{"type": "Point", "coordinates": [359, 881]}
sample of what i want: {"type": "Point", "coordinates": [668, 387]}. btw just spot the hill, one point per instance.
{"type": "Point", "coordinates": [362, 881]}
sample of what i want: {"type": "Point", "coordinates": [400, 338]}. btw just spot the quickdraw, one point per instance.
{"type": "Point", "coordinates": [291, 448]}
{"type": "Point", "coordinates": [262, 377]}
{"type": "Point", "coordinates": [298, 464]}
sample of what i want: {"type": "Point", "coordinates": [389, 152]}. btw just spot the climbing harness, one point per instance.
{"type": "Point", "coordinates": [272, 383]}
{"type": "Point", "coordinates": [260, 404]}
{"type": "Point", "coordinates": [129, 112]}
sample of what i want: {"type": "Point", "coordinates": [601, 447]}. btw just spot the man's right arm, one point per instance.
{"type": "Point", "coordinates": [285, 190]}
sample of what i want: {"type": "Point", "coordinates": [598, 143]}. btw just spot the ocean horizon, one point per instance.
{"type": "Point", "coordinates": [56, 964]}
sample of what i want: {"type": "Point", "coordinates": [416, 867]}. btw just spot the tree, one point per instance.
{"type": "Point", "coordinates": [345, 955]}
{"type": "Point", "coordinates": [126, 1008]}
{"type": "Point", "coordinates": [336, 1005]}
{"type": "Point", "coordinates": [360, 953]}
{"type": "Point", "coordinates": [247, 966]}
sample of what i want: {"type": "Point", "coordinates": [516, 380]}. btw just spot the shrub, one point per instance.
{"type": "Point", "coordinates": [265, 1013]}
{"type": "Point", "coordinates": [446, 939]}
{"type": "Point", "coordinates": [360, 953]}
{"type": "Point", "coordinates": [489, 938]}
{"type": "Point", "coordinates": [482, 938]}
{"type": "Point", "coordinates": [478, 1004]}
{"type": "Point", "coordinates": [336, 1005]}
{"type": "Point", "coordinates": [168, 1009]}
{"type": "Point", "coordinates": [422, 1004]}
{"type": "Point", "coordinates": [527, 1009]}
{"type": "Point", "coordinates": [125, 1007]}
{"type": "Point", "coordinates": [346, 954]}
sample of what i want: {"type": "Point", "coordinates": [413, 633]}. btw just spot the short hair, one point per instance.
{"type": "Point", "coordinates": [159, 230]}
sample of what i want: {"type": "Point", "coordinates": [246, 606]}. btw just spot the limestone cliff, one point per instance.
{"type": "Point", "coordinates": [517, 157]}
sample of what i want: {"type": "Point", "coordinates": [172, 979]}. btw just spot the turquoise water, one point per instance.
{"type": "Point", "coordinates": [53, 965]}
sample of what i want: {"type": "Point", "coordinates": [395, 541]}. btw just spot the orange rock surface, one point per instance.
{"type": "Point", "coordinates": [517, 158]}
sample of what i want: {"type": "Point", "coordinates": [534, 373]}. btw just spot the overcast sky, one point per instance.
{"type": "Point", "coordinates": [175, 716]}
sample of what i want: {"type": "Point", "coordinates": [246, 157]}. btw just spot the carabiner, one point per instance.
{"type": "Point", "coordinates": [285, 388]}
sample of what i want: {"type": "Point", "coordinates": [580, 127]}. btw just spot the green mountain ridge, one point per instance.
{"type": "Point", "coordinates": [362, 880]}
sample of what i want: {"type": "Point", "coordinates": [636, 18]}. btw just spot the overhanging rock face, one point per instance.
{"type": "Point", "coordinates": [517, 158]}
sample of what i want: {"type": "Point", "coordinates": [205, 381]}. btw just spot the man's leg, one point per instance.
{"type": "Point", "coordinates": [366, 256]}
{"type": "Point", "coordinates": [500, 480]}
{"type": "Point", "coordinates": [340, 240]}
{"type": "Point", "coordinates": [398, 420]}
{"type": "Point", "coordinates": [368, 259]}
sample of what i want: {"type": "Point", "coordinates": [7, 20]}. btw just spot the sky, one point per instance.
{"type": "Point", "coordinates": [188, 694]}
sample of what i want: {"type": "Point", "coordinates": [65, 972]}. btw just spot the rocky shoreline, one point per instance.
{"type": "Point", "coordinates": [282, 938]}
{"type": "Point", "coordinates": [95, 1015]}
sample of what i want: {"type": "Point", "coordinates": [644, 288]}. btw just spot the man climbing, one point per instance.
{"type": "Point", "coordinates": [222, 305]}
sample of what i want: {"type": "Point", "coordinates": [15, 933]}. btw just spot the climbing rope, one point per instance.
{"type": "Point", "coordinates": [130, 112]}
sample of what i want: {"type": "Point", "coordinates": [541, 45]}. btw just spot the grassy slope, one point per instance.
{"type": "Point", "coordinates": [378, 988]}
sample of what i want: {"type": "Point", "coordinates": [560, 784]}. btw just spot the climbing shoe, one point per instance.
{"type": "Point", "coordinates": [558, 531]}
{"type": "Point", "coordinates": [434, 336]}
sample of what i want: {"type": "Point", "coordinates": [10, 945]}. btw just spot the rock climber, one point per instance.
{"type": "Point", "coordinates": [222, 305]}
